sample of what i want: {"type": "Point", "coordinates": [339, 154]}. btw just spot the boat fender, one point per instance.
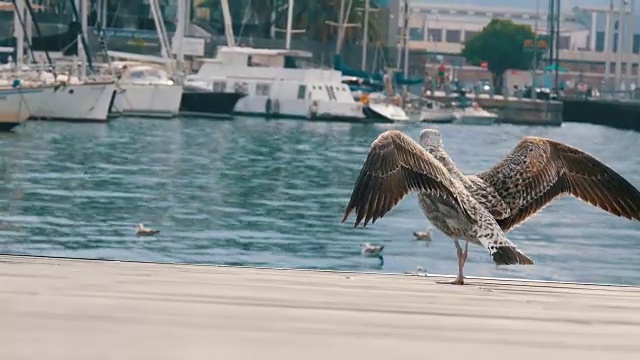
{"type": "Point", "coordinates": [268, 106]}
{"type": "Point", "coordinates": [276, 106]}
{"type": "Point", "coordinates": [313, 109]}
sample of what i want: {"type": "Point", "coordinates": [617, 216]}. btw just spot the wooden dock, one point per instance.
{"type": "Point", "coordinates": [82, 309]}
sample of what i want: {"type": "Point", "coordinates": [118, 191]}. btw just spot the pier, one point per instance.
{"type": "Point", "coordinates": [613, 113]}
{"type": "Point", "coordinates": [514, 110]}
{"type": "Point", "coordinates": [54, 308]}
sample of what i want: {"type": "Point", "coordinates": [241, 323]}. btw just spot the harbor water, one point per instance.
{"type": "Point", "coordinates": [272, 193]}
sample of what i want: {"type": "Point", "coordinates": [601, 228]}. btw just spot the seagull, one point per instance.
{"type": "Point", "coordinates": [369, 250]}
{"type": "Point", "coordinates": [536, 172]}
{"type": "Point", "coordinates": [423, 235]}
{"type": "Point", "coordinates": [143, 231]}
{"type": "Point", "coordinates": [397, 165]}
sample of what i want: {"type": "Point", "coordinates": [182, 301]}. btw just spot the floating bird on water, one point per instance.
{"type": "Point", "coordinates": [143, 231]}
{"type": "Point", "coordinates": [536, 172]}
{"type": "Point", "coordinates": [369, 250]}
{"type": "Point", "coordinates": [423, 235]}
{"type": "Point", "coordinates": [397, 165]}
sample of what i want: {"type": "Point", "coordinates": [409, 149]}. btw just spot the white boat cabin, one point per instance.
{"type": "Point", "coordinates": [141, 74]}
{"type": "Point", "coordinates": [274, 84]}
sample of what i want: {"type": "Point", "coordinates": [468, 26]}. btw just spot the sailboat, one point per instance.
{"type": "Point", "coordinates": [64, 97]}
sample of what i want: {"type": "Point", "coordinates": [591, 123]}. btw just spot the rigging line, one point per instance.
{"type": "Point", "coordinates": [24, 30]}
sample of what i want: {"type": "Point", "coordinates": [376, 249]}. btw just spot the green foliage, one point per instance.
{"type": "Point", "coordinates": [501, 44]}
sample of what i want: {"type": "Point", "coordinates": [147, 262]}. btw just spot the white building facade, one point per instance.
{"type": "Point", "coordinates": [587, 35]}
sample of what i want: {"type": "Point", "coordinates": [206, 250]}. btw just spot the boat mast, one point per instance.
{"type": "Point", "coordinates": [289, 24]}
{"type": "Point", "coordinates": [632, 27]}
{"type": "Point", "coordinates": [365, 39]}
{"type": "Point", "coordinates": [620, 44]}
{"type": "Point", "coordinates": [534, 65]}
{"type": "Point", "coordinates": [81, 18]}
{"type": "Point", "coordinates": [228, 25]}
{"type": "Point", "coordinates": [608, 46]}
{"type": "Point", "coordinates": [39, 33]}
{"type": "Point", "coordinates": [180, 32]}
{"type": "Point", "coordinates": [342, 24]}
{"type": "Point", "coordinates": [19, 29]}
{"type": "Point", "coordinates": [405, 41]}
{"type": "Point", "coordinates": [165, 47]}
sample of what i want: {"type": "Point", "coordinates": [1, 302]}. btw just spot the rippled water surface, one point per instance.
{"type": "Point", "coordinates": [272, 193]}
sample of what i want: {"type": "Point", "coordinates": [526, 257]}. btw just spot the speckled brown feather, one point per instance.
{"type": "Point", "coordinates": [539, 170]}
{"type": "Point", "coordinates": [395, 166]}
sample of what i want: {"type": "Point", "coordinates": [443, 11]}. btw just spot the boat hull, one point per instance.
{"type": "Point", "coordinates": [147, 100]}
{"type": "Point", "coordinates": [437, 117]}
{"type": "Point", "coordinates": [14, 109]}
{"type": "Point", "coordinates": [208, 103]}
{"type": "Point", "coordinates": [385, 112]}
{"type": "Point", "coordinates": [475, 117]}
{"type": "Point", "coordinates": [299, 109]}
{"type": "Point", "coordinates": [74, 103]}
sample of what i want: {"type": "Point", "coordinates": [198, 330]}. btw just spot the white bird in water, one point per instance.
{"type": "Point", "coordinates": [369, 250]}
{"type": "Point", "coordinates": [536, 172]}
{"type": "Point", "coordinates": [423, 235]}
{"type": "Point", "coordinates": [143, 231]}
{"type": "Point", "coordinates": [397, 165]}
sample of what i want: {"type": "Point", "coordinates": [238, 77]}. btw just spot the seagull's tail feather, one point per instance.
{"type": "Point", "coordinates": [509, 255]}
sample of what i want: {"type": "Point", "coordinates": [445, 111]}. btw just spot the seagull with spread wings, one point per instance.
{"type": "Point", "coordinates": [397, 165]}
{"type": "Point", "coordinates": [536, 172]}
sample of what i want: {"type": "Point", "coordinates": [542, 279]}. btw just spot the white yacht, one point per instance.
{"type": "Point", "coordinates": [275, 90]}
{"type": "Point", "coordinates": [145, 90]}
{"type": "Point", "coordinates": [474, 115]}
{"type": "Point", "coordinates": [68, 99]}
{"type": "Point", "coordinates": [436, 112]}
{"type": "Point", "coordinates": [380, 107]}
{"type": "Point", "coordinates": [76, 103]}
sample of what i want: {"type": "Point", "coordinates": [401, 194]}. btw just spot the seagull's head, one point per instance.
{"type": "Point", "coordinates": [430, 138]}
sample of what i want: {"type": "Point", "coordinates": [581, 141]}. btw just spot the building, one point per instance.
{"type": "Point", "coordinates": [444, 28]}
{"type": "Point", "coordinates": [584, 32]}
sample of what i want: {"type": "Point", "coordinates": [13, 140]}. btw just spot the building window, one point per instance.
{"type": "Point", "coordinates": [435, 35]}
{"type": "Point", "coordinates": [600, 41]}
{"type": "Point", "coordinates": [453, 36]}
{"type": "Point", "coordinates": [565, 42]}
{"type": "Point", "coordinates": [416, 34]}
{"type": "Point", "coordinates": [263, 89]}
{"type": "Point", "coordinates": [636, 44]}
{"type": "Point", "coordinates": [302, 90]}
{"type": "Point", "coordinates": [469, 34]}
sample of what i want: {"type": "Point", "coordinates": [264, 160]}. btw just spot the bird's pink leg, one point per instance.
{"type": "Point", "coordinates": [462, 258]}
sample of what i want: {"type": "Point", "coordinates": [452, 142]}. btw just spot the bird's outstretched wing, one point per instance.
{"type": "Point", "coordinates": [395, 166]}
{"type": "Point", "coordinates": [539, 170]}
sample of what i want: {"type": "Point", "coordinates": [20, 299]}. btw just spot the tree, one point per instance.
{"type": "Point", "coordinates": [501, 44]}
